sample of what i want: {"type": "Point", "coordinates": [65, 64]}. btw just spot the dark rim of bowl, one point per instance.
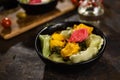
{"type": "Point", "coordinates": [100, 52]}
{"type": "Point", "coordinates": [38, 3]}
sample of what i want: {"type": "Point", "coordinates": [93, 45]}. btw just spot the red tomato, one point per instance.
{"type": "Point", "coordinates": [75, 2]}
{"type": "Point", "coordinates": [78, 35]}
{"type": "Point", "coordinates": [6, 22]}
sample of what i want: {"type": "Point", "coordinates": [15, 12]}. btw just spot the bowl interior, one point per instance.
{"type": "Point", "coordinates": [45, 3]}
{"type": "Point", "coordinates": [61, 26]}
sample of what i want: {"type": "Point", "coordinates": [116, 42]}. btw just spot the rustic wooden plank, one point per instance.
{"type": "Point", "coordinates": [31, 21]}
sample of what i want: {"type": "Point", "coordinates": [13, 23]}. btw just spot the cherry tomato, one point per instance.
{"type": "Point", "coordinates": [75, 2]}
{"type": "Point", "coordinates": [6, 22]}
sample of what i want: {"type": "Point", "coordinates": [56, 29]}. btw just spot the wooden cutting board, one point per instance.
{"type": "Point", "coordinates": [31, 21]}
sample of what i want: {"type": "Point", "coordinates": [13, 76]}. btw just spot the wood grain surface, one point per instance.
{"type": "Point", "coordinates": [31, 21]}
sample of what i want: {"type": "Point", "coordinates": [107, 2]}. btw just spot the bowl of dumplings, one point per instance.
{"type": "Point", "coordinates": [33, 7]}
{"type": "Point", "coordinates": [70, 44]}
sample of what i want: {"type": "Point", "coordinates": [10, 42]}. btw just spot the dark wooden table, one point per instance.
{"type": "Point", "coordinates": [19, 61]}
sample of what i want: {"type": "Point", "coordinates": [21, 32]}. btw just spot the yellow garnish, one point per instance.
{"type": "Point", "coordinates": [57, 36]}
{"type": "Point", "coordinates": [80, 26]}
{"type": "Point", "coordinates": [54, 43]}
{"type": "Point", "coordinates": [70, 49]}
{"type": "Point", "coordinates": [57, 40]}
